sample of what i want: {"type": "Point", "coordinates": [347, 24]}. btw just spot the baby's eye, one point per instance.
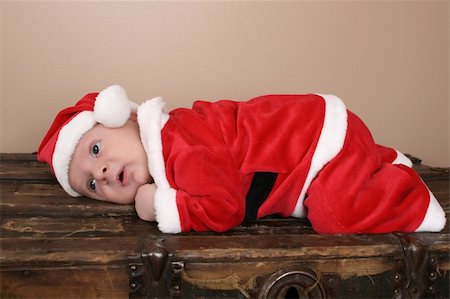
{"type": "Point", "coordinates": [96, 148]}
{"type": "Point", "coordinates": [91, 185]}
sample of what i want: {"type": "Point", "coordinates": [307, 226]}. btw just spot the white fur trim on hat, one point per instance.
{"type": "Point", "coordinates": [152, 118]}
{"type": "Point", "coordinates": [68, 138]}
{"type": "Point", "coordinates": [112, 107]}
{"type": "Point", "coordinates": [330, 143]}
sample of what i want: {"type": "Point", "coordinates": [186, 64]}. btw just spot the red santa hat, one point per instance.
{"type": "Point", "coordinates": [110, 107]}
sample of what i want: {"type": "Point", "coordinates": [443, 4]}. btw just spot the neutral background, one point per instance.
{"type": "Point", "coordinates": [388, 60]}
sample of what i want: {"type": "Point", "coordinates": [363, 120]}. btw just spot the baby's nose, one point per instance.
{"type": "Point", "coordinates": [102, 172]}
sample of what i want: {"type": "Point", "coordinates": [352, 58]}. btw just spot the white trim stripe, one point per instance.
{"type": "Point", "coordinates": [330, 143]}
{"type": "Point", "coordinates": [151, 119]}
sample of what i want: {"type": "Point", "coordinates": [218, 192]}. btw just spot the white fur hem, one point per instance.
{"type": "Point", "coordinates": [152, 118]}
{"type": "Point", "coordinates": [402, 159]}
{"type": "Point", "coordinates": [434, 220]}
{"type": "Point", "coordinates": [167, 214]}
{"type": "Point", "coordinates": [330, 143]}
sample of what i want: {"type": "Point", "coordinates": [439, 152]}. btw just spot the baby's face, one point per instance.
{"type": "Point", "coordinates": [109, 164]}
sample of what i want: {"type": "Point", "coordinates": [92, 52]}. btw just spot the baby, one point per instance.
{"type": "Point", "coordinates": [218, 164]}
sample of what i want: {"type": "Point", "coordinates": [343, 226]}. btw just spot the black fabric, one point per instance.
{"type": "Point", "coordinates": [260, 189]}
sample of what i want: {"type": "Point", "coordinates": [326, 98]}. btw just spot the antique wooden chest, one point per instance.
{"type": "Point", "coordinates": [54, 246]}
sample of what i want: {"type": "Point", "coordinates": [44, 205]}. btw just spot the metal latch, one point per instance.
{"type": "Point", "coordinates": [155, 276]}
{"type": "Point", "coordinates": [415, 275]}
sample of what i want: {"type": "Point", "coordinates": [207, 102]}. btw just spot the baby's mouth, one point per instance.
{"type": "Point", "coordinates": [123, 177]}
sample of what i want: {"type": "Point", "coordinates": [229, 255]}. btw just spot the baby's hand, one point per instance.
{"type": "Point", "coordinates": [144, 202]}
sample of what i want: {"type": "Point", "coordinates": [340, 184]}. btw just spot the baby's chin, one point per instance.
{"type": "Point", "coordinates": [123, 196]}
{"type": "Point", "coordinates": [127, 199]}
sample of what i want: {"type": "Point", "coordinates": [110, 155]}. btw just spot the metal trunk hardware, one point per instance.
{"type": "Point", "coordinates": [299, 283]}
{"type": "Point", "coordinates": [155, 276]}
{"type": "Point", "coordinates": [415, 276]}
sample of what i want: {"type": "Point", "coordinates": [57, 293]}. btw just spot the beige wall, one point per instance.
{"type": "Point", "coordinates": [388, 60]}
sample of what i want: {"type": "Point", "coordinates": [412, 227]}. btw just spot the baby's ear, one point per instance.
{"type": "Point", "coordinates": [133, 116]}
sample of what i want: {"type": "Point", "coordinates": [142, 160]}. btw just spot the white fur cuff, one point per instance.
{"type": "Point", "coordinates": [152, 118]}
{"type": "Point", "coordinates": [167, 214]}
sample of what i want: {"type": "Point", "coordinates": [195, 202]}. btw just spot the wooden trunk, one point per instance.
{"type": "Point", "coordinates": [55, 246]}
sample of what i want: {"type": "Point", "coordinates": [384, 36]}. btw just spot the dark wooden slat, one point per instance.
{"type": "Point", "coordinates": [65, 282]}
{"type": "Point", "coordinates": [62, 227]}
{"type": "Point", "coordinates": [75, 210]}
{"type": "Point", "coordinates": [68, 251]}
{"type": "Point", "coordinates": [16, 167]}
{"type": "Point", "coordinates": [14, 157]}
{"type": "Point", "coordinates": [22, 198]}
{"type": "Point", "coordinates": [13, 226]}
{"type": "Point", "coordinates": [24, 188]}
{"type": "Point", "coordinates": [430, 173]}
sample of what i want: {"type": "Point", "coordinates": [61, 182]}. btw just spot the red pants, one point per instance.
{"type": "Point", "coordinates": [361, 191]}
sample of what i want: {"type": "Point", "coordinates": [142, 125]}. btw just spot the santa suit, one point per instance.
{"type": "Point", "coordinates": [292, 155]}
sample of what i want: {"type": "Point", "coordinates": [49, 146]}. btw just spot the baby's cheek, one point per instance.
{"type": "Point", "coordinates": [141, 177]}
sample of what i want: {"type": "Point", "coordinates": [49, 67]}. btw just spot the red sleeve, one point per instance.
{"type": "Point", "coordinates": [209, 192]}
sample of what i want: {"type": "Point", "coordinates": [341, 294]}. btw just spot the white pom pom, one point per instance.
{"type": "Point", "coordinates": [112, 107]}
